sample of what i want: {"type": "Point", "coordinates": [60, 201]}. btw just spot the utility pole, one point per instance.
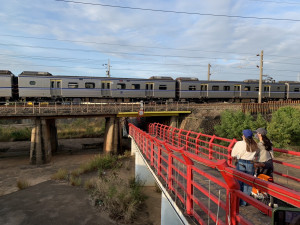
{"type": "Point", "coordinates": [260, 76]}
{"type": "Point", "coordinates": [108, 68]}
{"type": "Point", "coordinates": [208, 72]}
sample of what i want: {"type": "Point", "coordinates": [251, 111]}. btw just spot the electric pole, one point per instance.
{"type": "Point", "coordinates": [208, 72]}
{"type": "Point", "coordinates": [260, 76]}
{"type": "Point", "coordinates": [108, 68]}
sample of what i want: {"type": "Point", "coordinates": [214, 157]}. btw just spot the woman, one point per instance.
{"type": "Point", "coordinates": [244, 151]}
{"type": "Point", "coordinates": [265, 154]}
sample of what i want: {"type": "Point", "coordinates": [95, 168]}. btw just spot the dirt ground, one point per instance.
{"type": "Point", "coordinates": [53, 202]}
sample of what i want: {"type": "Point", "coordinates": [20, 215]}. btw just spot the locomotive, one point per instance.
{"type": "Point", "coordinates": [43, 86]}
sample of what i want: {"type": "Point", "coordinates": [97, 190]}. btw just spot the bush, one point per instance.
{"type": "Point", "coordinates": [61, 174]}
{"type": "Point", "coordinates": [75, 181]}
{"type": "Point", "coordinates": [284, 128]}
{"type": "Point", "coordinates": [120, 198]}
{"type": "Point", "coordinates": [22, 184]}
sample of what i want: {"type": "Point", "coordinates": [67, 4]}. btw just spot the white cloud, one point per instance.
{"type": "Point", "coordinates": [220, 40]}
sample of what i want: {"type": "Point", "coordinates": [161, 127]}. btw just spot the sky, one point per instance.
{"type": "Point", "coordinates": [141, 39]}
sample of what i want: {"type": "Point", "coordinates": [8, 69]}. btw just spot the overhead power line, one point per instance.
{"type": "Point", "coordinates": [124, 53]}
{"type": "Point", "coordinates": [144, 46]}
{"type": "Point", "coordinates": [181, 12]}
{"type": "Point", "coordinates": [277, 2]}
{"type": "Point", "coordinates": [124, 45]}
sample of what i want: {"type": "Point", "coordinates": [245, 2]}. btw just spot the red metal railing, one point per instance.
{"type": "Point", "coordinates": [210, 146]}
{"type": "Point", "coordinates": [181, 172]}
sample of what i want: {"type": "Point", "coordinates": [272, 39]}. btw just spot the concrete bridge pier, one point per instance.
{"type": "Point", "coordinates": [43, 141]}
{"type": "Point", "coordinates": [113, 136]}
{"type": "Point", "coordinates": [174, 121]}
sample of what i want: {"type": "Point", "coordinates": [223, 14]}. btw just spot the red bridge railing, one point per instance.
{"type": "Point", "coordinates": [182, 174]}
{"type": "Point", "coordinates": [211, 146]}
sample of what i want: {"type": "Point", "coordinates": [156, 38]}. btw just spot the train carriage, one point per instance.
{"type": "Point", "coordinates": [6, 85]}
{"type": "Point", "coordinates": [34, 85]}
{"type": "Point", "coordinates": [292, 90]}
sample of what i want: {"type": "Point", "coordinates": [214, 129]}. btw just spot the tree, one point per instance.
{"type": "Point", "coordinates": [233, 123]}
{"type": "Point", "coordinates": [284, 128]}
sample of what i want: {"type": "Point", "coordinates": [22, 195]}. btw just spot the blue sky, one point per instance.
{"type": "Point", "coordinates": [65, 38]}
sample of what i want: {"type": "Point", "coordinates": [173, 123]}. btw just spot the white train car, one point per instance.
{"type": "Point", "coordinates": [34, 85]}
{"type": "Point", "coordinates": [6, 85]}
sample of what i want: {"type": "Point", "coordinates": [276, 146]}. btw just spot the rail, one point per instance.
{"type": "Point", "coordinates": [181, 172]}
{"type": "Point", "coordinates": [211, 146]}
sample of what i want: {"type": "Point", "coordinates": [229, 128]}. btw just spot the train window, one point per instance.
{"type": "Point", "coordinates": [162, 87]}
{"type": "Point", "coordinates": [247, 88]}
{"type": "Point", "coordinates": [58, 84]}
{"type": "Point", "coordinates": [296, 90]}
{"type": "Point", "coordinates": [89, 85]}
{"type": "Point", "coordinates": [226, 88]}
{"type": "Point", "coordinates": [136, 86]}
{"type": "Point", "coordinates": [266, 88]}
{"type": "Point", "coordinates": [192, 88]}
{"type": "Point", "coordinates": [72, 85]}
{"type": "Point", "coordinates": [256, 89]}
{"type": "Point", "coordinates": [52, 84]}
{"type": "Point", "coordinates": [121, 86]}
{"type": "Point", "coordinates": [215, 88]}
{"type": "Point", "coordinates": [32, 82]}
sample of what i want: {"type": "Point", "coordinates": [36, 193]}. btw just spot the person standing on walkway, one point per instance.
{"type": "Point", "coordinates": [265, 154]}
{"type": "Point", "coordinates": [244, 151]}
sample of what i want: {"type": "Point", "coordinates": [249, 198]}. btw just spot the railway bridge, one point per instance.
{"type": "Point", "coordinates": [198, 181]}
{"type": "Point", "coordinates": [44, 133]}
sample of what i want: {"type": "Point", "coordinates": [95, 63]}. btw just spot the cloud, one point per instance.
{"type": "Point", "coordinates": [144, 43]}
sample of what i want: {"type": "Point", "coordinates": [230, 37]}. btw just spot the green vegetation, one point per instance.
{"type": "Point", "coordinates": [75, 181]}
{"type": "Point", "coordinates": [234, 122]}
{"type": "Point", "coordinates": [61, 174]}
{"type": "Point", "coordinates": [81, 127]}
{"type": "Point", "coordinates": [15, 134]}
{"type": "Point", "coordinates": [67, 128]}
{"type": "Point", "coordinates": [100, 162]}
{"type": "Point", "coordinates": [22, 184]}
{"type": "Point", "coordinates": [283, 129]}
{"type": "Point", "coordinates": [119, 198]}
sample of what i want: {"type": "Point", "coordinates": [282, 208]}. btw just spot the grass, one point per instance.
{"type": "Point", "coordinates": [15, 134]}
{"type": "Point", "coordinates": [75, 181]}
{"type": "Point", "coordinates": [61, 174]}
{"type": "Point", "coordinates": [70, 128]}
{"type": "Point", "coordinates": [100, 162]}
{"type": "Point", "coordinates": [22, 184]}
{"type": "Point", "coordinates": [120, 198]}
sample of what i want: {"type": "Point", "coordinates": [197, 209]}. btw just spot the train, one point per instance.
{"type": "Point", "coordinates": [43, 86]}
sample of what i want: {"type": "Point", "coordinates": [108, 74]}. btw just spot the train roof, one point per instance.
{"type": "Point", "coordinates": [5, 72]}
{"type": "Point", "coordinates": [160, 78]}
{"type": "Point", "coordinates": [35, 73]}
{"type": "Point", "coordinates": [187, 79]}
{"type": "Point", "coordinates": [292, 82]}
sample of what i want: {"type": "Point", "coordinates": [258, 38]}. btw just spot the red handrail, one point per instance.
{"type": "Point", "coordinates": [208, 148]}
{"type": "Point", "coordinates": [166, 160]}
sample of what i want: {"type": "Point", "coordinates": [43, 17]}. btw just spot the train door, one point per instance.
{"type": "Point", "coordinates": [204, 90]}
{"type": "Point", "coordinates": [149, 90]}
{"type": "Point", "coordinates": [237, 91]}
{"type": "Point", "coordinates": [106, 89]}
{"type": "Point", "coordinates": [267, 91]}
{"type": "Point", "coordinates": [55, 88]}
